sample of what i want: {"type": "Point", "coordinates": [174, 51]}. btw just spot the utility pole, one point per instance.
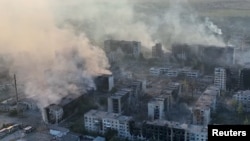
{"type": "Point", "coordinates": [15, 88]}
{"type": "Point", "coordinates": [16, 94]}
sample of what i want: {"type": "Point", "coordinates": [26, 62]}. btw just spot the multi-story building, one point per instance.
{"type": "Point", "coordinates": [157, 51]}
{"type": "Point", "coordinates": [101, 122]}
{"type": "Point", "coordinates": [207, 55]}
{"type": "Point", "coordinates": [156, 109]}
{"type": "Point", "coordinates": [104, 83]}
{"type": "Point", "coordinates": [69, 105]}
{"type": "Point", "coordinates": [163, 130]}
{"type": "Point", "coordinates": [189, 73]}
{"type": "Point", "coordinates": [119, 102]}
{"type": "Point", "coordinates": [245, 79]}
{"type": "Point", "coordinates": [138, 87]}
{"type": "Point", "coordinates": [206, 104]}
{"type": "Point", "coordinates": [159, 105]}
{"type": "Point", "coordinates": [55, 113]}
{"type": "Point", "coordinates": [132, 48]}
{"type": "Point", "coordinates": [172, 73]}
{"type": "Point", "coordinates": [197, 133]}
{"type": "Point", "coordinates": [220, 78]}
{"type": "Point", "coordinates": [243, 97]}
{"type": "Point", "coordinates": [155, 71]}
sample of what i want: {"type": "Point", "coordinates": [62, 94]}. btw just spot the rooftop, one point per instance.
{"type": "Point", "coordinates": [122, 92]}
{"type": "Point", "coordinates": [168, 123]}
{"type": "Point", "coordinates": [103, 114]}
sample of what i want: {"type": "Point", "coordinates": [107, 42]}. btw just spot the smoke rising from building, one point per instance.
{"type": "Point", "coordinates": [165, 21]}
{"type": "Point", "coordinates": [52, 58]}
{"type": "Point", "coordinates": [50, 62]}
{"type": "Point", "coordinates": [179, 23]}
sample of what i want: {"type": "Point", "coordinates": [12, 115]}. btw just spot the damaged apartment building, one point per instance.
{"type": "Point", "coordinates": [157, 51]}
{"type": "Point", "coordinates": [130, 48]}
{"type": "Point", "coordinates": [204, 106]}
{"type": "Point", "coordinates": [163, 130]}
{"type": "Point", "coordinates": [119, 102]}
{"type": "Point", "coordinates": [207, 55]}
{"type": "Point", "coordinates": [54, 113]}
{"type": "Point", "coordinates": [104, 83]}
{"type": "Point", "coordinates": [159, 106]}
{"type": "Point", "coordinates": [226, 79]}
{"type": "Point", "coordinates": [174, 72]}
{"type": "Point", "coordinates": [243, 97]}
{"type": "Point", "coordinates": [101, 121]}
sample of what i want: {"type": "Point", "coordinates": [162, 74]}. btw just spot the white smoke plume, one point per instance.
{"type": "Point", "coordinates": [50, 62]}
{"type": "Point", "coordinates": [165, 21]}
{"type": "Point", "coordinates": [177, 22]}
{"type": "Point", "coordinates": [50, 57]}
{"type": "Point", "coordinates": [105, 19]}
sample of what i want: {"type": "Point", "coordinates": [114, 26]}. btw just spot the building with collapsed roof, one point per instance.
{"type": "Point", "coordinates": [206, 103]}
{"type": "Point", "coordinates": [54, 113]}
{"type": "Point", "coordinates": [119, 101]}
{"type": "Point", "coordinates": [163, 130]}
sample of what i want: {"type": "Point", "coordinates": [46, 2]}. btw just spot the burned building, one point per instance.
{"type": "Point", "coordinates": [205, 105]}
{"type": "Point", "coordinates": [131, 48]}
{"type": "Point", "coordinates": [163, 130]}
{"type": "Point", "coordinates": [157, 51]}
{"type": "Point", "coordinates": [159, 106]}
{"type": "Point", "coordinates": [207, 55]}
{"type": "Point", "coordinates": [104, 83]}
{"type": "Point", "coordinates": [245, 79]}
{"type": "Point", "coordinates": [119, 102]}
{"type": "Point", "coordinates": [67, 106]}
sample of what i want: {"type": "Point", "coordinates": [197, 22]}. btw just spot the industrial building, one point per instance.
{"type": "Point", "coordinates": [100, 122]}
{"type": "Point", "coordinates": [201, 112]}
{"type": "Point", "coordinates": [119, 102]}
{"type": "Point", "coordinates": [163, 130]}
{"type": "Point", "coordinates": [157, 51]}
{"type": "Point", "coordinates": [243, 97]}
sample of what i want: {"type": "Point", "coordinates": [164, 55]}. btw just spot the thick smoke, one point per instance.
{"type": "Point", "coordinates": [52, 59]}
{"type": "Point", "coordinates": [105, 19]}
{"type": "Point", "coordinates": [179, 23]}
{"type": "Point", "coordinates": [165, 21]}
{"type": "Point", "coordinates": [49, 62]}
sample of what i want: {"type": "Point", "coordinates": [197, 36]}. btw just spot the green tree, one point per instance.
{"type": "Point", "coordinates": [110, 133]}
{"type": "Point", "coordinates": [240, 108]}
{"type": "Point", "coordinates": [234, 104]}
{"type": "Point", "coordinates": [246, 122]}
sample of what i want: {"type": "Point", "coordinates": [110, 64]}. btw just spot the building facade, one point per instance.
{"type": "Point", "coordinates": [245, 79]}
{"type": "Point", "coordinates": [118, 102]}
{"type": "Point", "coordinates": [157, 51]}
{"type": "Point", "coordinates": [243, 97]}
{"type": "Point", "coordinates": [163, 130]}
{"type": "Point", "coordinates": [100, 122]}
{"type": "Point", "coordinates": [220, 78]}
